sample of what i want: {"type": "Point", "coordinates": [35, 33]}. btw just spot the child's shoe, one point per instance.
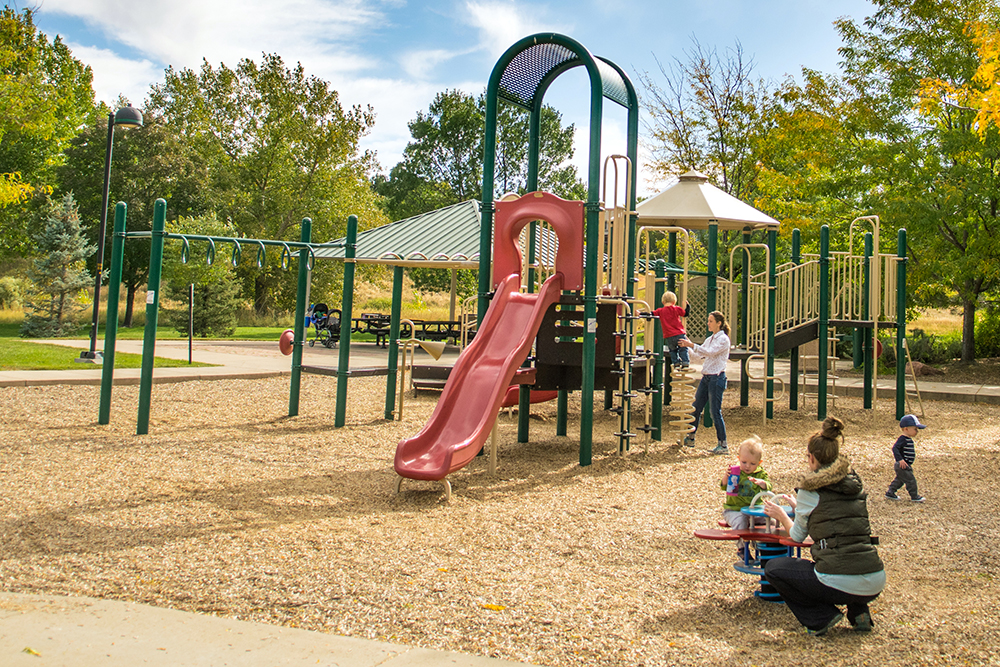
{"type": "Point", "coordinates": [918, 499]}
{"type": "Point", "coordinates": [891, 496]}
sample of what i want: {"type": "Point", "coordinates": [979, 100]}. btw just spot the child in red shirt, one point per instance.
{"type": "Point", "coordinates": [673, 328]}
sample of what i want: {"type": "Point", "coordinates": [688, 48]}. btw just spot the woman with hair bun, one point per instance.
{"type": "Point", "coordinates": [830, 507]}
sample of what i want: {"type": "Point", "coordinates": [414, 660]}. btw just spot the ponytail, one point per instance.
{"type": "Point", "coordinates": [721, 319]}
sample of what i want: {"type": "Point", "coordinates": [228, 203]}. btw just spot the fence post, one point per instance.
{"type": "Point", "coordinates": [156, 240]}
{"type": "Point", "coordinates": [111, 326]}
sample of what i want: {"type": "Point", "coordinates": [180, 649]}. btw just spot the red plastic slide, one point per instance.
{"type": "Point", "coordinates": [464, 415]}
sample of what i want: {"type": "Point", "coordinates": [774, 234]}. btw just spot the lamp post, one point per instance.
{"type": "Point", "coordinates": [127, 117]}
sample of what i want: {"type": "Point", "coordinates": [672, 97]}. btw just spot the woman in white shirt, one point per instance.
{"type": "Point", "coordinates": [715, 349]}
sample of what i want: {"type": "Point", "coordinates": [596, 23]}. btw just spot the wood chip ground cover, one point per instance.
{"type": "Point", "coordinates": [229, 507]}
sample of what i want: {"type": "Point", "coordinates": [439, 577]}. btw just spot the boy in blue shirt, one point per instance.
{"type": "Point", "coordinates": [904, 453]}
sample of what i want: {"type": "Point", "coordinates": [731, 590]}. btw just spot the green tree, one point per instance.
{"type": "Point", "coordinates": [279, 147]}
{"type": "Point", "coordinates": [443, 164]}
{"type": "Point", "coordinates": [148, 163]}
{"type": "Point", "coordinates": [216, 288]}
{"type": "Point", "coordinates": [811, 167]}
{"type": "Point", "coordinates": [45, 96]}
{"type": "Point", "coordinates": [59, 275]}
{"type": "Point", "coordinates": [939, 177]}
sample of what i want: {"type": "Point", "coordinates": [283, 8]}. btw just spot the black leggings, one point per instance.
{"type": "Point", "coordinates": [812, 602]}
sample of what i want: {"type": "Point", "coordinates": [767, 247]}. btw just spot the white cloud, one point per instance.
{"type": "Point", "coordinates": [501, 24]}
{"type": "Point", "coordinates": [182, 32]}
{"type": "Point", "coordinates": [420, 64]}
{"type": "Point", "coordinates": [114, 75]}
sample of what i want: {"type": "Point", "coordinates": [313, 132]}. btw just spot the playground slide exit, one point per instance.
{"type": "Point", "coordinates": [468, 407]}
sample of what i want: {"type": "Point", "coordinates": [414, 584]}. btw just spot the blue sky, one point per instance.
{"type": "Point", "coordinates": [396, 55]}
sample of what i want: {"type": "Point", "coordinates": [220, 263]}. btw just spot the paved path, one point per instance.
{"type": "Point", "coordinates": [257, 359]}
{"type": "Point", "coordinates": [48, 630]}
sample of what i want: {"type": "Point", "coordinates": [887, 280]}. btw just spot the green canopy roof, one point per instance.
{"type": "Point", "coordinates": [445, 238]}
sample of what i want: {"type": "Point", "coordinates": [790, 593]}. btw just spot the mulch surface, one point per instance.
{"type": "Point", "coordinates": [229, 507]}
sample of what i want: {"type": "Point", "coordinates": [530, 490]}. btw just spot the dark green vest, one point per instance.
{"type": "Point", "coordinates": [840, 530]}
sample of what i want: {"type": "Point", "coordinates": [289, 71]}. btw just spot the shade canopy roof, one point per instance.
{"type": "Point", "coordinates": [693, 201]}
{"type": "Point", "coordinates": [444, 238]}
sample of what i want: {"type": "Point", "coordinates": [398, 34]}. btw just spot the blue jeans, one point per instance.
{"type": "Point", "coordinates": [710, 391]}
{"type": "Point", "coordinates": [678, 354]}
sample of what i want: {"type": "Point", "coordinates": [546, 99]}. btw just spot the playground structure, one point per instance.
{"type": "Point", "coordinates": [575, 277]}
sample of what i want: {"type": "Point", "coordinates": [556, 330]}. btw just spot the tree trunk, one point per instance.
{"type": "Point", "coordinates": [260, 295]}
{"type": "Point", "coordinates": [968, 330]}
{"type": "Point", "coordinates": [129, 305]}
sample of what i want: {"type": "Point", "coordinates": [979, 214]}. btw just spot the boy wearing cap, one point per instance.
{"type": "Point", "coordinates": [904, 453]}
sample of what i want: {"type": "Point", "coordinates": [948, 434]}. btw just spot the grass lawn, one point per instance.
{"type": "Point", "coordinates": [20, 355]}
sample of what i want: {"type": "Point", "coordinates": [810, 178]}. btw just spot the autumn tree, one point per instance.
{"type": "Point", "coordinates": [939, 176]}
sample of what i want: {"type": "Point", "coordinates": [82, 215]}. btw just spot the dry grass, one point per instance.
{"type": "Point", "coordinates": [230, 508]}
{"type": "Point", "coordinates": [938, 321]}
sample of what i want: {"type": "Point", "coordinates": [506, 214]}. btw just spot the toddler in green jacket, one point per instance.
{"type": "Point", "coordinates": [752, 480]}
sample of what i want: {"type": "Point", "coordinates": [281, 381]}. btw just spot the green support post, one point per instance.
{"type": "Point", "coordinates": [824, 318]}
{"type": "Point", "coordinates": [305, 236]}
{"type": "Point", "coordinates": [111, 328]}
{"type": "Point", "coordinates": [152, 312]}
{"type": "Point", "coordinates": [672, 258]}
{"type": "Point", "coordinates": [394, 317]}
{"type": "Point", "coordinates": [772, 242]}
{"type": "Point", "coordinates": [744, 316]}
{"type": "Point", "coordinates": [562, 408]}
{"type": "Point", "coordinates": [343, 365]}
{"type": "Point", "coordinates": [900, 324]}
{"type": "Point", "coordinates": [867, 335]}
{"type": "Point", "coordinates": [793, 364]}
{"type": "Point", "coordinates": [713, 286]}
{"type": "Point", "coordinates": [658, 359]}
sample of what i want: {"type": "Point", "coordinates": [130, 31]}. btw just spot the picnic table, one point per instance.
{"type": "Point", "coordinates": [377, 324]}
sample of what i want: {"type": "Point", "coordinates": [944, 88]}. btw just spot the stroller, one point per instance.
{"type": "Point", "coordinates": [326, 325]}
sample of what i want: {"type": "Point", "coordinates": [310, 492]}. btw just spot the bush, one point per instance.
{"type": "Point", "coordinates": [988, 332]}
{"type": "Point", "coordinates": [12, 291]}
{"type": "Point", "coordinates": [925, 348]}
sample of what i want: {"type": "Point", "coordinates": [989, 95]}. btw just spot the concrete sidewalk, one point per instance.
{"type": "Point", "coordinates": [82, 632]}
{"type": "Point", "coordinates": [259, 359]}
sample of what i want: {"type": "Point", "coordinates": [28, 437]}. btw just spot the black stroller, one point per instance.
{"type": "Point", "coordinates": [326, 325]}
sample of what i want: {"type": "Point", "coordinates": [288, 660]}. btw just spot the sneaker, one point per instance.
{"type": "Point", "coordinates": [862, 622]}
{"type": "Point", "coordinates": [918, 499]}
{"type": "Point", "coordinates": [689, 440]}
{"type": "Point", "coordinates": [685, 366]}
{"type": "Point", "coordinates": [720, 449]}
{"type": "Point", "coordinates": [826, 628]}
{"type": "Point", "coordinates": [891, 496]}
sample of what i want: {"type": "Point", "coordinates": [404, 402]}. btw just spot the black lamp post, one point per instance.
{"type": "Point", "coordinates": [126, 117]}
